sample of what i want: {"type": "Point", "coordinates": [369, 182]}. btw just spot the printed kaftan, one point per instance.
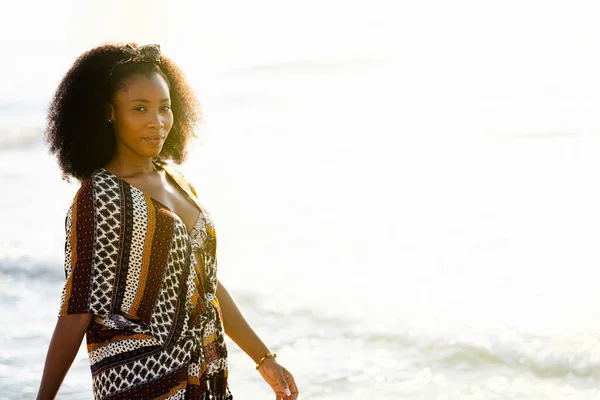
{"type": "Point", "coordinates": [156, 331]}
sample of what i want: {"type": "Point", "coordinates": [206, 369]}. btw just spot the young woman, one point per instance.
{"type": "Point", "coordinates": [140, 251]}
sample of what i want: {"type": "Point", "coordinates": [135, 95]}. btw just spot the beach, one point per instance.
{"type": "Point", "coordinates": [396, 219]}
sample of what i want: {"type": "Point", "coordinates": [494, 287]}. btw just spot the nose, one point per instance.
{"type": "Point", "coordinates": [155, 121]}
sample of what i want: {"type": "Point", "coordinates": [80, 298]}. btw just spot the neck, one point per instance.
{"type": "Point", "coordinates": [130, 166]}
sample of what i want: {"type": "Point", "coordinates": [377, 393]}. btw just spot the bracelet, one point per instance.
{"type": "Point", "coordinates": [269, 354]}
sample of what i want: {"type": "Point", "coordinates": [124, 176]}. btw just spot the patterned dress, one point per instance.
{"type": "Point", "coordinates": [156, 331]}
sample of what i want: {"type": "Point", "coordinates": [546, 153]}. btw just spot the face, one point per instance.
{"type": "Point", "coordinates": [142, 117]}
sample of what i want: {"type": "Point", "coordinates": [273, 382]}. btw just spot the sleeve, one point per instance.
{"type": "Point", "coordinates": [83, 293]}
{"type": "Point", "coordinates": [181, 180]}
{"type": "Point", "coordinates": [192, 188]}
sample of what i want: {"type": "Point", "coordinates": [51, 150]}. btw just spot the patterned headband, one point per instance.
{"type": "Point", "coordinates": [149, 53]}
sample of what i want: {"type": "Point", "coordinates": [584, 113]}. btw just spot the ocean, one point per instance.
{"type": "Point", "coordinates": [406, 206]}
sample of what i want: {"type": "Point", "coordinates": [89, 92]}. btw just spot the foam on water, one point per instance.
{"type": "Point", "coordinates": [395, 223]}
{"type": "Point", "coordinates": [449, 285]}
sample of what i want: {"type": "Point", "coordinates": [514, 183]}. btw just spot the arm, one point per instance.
{"type": "Point", "coordinates": [64, 345]}
{"type": "Point", "coordinates": [237, 328]}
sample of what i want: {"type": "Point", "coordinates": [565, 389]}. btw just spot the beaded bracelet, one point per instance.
{"type": "Point", "coordinates": [269, 354]}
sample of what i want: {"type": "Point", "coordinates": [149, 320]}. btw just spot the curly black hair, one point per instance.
{"type": "Point", "coordinates": [77, 131]}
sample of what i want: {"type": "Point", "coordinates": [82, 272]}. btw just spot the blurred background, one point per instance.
{"type": "Point", "coordinates": [405, 193]}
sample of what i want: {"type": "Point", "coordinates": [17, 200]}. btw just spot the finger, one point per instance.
{"type": "Point", "coordinates": [281, 396]}
{"type": "Point", "coordinates": [279, 393]}
{"type": "Point", "coordinates": [283, 384]}
{"type": "Point", "coordinates": [293, 389]}
{"type": "Point", "coordinates": [291, 383]}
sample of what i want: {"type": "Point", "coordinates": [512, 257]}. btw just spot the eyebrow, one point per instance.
{"type": "Point", "coordinates": [147, 101]}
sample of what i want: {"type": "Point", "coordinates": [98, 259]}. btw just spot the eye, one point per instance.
{"type": "Point", "coordinates": [140, 108]}
{"type": "Point", "coordinates": [166, 108]}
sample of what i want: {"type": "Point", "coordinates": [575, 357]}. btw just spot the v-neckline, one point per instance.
{"type": "Point", "coordinates": [181, 189]}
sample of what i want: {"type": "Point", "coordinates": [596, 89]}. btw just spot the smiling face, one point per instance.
{"type": "Point", "coordinates": [142, 117]}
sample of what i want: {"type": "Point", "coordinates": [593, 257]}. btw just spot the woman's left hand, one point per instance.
{"type": "Point", "coordinates": [279, 379]}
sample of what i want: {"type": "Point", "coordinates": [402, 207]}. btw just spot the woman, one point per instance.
{"type": "Point", "coordinates": [140, 252]}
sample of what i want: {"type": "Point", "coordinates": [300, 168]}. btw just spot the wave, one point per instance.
{"type": "Point", "coordinates": [447, 345]}
{"type": "Point", "coordinates": [21, 269]}
{"type": "Point", "coordinates": [542, 356]}
{"type": "Point", "coordinates": [544, 361]}
{"type": "Point", "coordinates": [555, 357]}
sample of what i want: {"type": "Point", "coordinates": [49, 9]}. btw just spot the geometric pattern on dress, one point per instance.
{"type": "Point", "coordinates": [192, 291]}
{"type": "Point", "coordinates": [214, 345]}
{"type": "Point", "coordinates": [68, 247]}
{"type": "Point", "coordinates": [208, 261]}
{"type": "Point", "coordinates": [195, 365]}
{"type": "Point", "coordinates": [119, 322]}
{"type": "Point", "coordinates": [203, 241]}
{"type": "Point", "coordinates": [164, 312]}
{"type": "Point", "coordinates": [217, 365]}
{"type": "Point", "coordinates": [211, 272]}
{"type": "Point", "coordinates": [68, 252]}
{"type": "Point", "coordinates": [107, 226]}
{"type": "Point", "coordinates": [209, 253]}
{"type": "Point", "coordinates": [118, 347]}
{"type": "Point", "coordinates": [180, 395]}
{"type": "Point", "coordinates": [140, 229]}
{"type": "Point", "coordinates": [198, 233]}
{"type": "Point", "coordinates": [122, 377]}
{"type": "Point", "coordinates": [119, 364]}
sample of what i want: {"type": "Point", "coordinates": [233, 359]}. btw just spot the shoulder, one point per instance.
{"type": "Point", "coordinates": [85, 191]}
{"type": "Point", "coordinates": [175, 172]}
{"type": "Point", "coordinates": [100, 186]}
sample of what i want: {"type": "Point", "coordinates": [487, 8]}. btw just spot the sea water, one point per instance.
{"type": "Point", "coordinates": [406, 227]}
{"type": "Point", "coordinates": [414, 268]}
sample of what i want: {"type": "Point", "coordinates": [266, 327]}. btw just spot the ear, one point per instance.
{"type": "Point", "coordinates": [110, 112]}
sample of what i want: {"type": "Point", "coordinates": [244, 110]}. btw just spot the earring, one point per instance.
{"type": "Point", "coordinates": [109, 120]}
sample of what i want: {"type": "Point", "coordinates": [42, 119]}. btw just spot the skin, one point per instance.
{"type": "Point", "coordinates": [142, 119]}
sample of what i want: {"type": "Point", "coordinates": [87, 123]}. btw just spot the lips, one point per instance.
{"type": "Point", "coordinates": [155, 139]}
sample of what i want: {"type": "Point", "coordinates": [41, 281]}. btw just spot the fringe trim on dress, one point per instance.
{"type": "Point", "coordinates": [215, 387]}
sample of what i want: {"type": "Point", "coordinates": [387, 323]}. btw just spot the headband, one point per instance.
{"type": "Point", "coordinates": [149, 53]}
